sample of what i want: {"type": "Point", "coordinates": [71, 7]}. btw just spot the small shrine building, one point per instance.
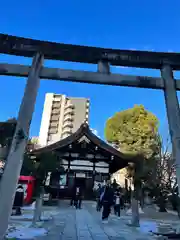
{"type": "Point", "coordinates": [84, 160]}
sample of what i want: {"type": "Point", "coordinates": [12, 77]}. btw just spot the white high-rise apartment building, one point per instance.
{"type": "Point", "coordinates": [61, 117]}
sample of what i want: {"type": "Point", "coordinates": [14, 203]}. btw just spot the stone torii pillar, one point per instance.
{"type": "Point", "coordinates": [15, 157]}
{"type": "Point", "coordinates": [173, 114]}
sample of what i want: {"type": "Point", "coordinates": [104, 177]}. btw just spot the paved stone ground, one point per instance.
{"type": "Point", "coordinates": [86, 224]}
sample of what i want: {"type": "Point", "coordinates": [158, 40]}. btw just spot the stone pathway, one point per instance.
{"type": "Point", "coordinates": [86, 224]}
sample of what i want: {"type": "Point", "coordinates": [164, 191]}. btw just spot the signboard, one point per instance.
{"type": "Point", "coordinates": [63, 180]}
{"type": "Point", "coordinates": [80, 175]}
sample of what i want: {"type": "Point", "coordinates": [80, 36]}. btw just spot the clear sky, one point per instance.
{"type": "Point", "coordinates": [131, 24]}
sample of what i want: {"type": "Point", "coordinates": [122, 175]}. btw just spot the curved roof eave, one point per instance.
{"type": "Point", "coordinates": [84, 130]}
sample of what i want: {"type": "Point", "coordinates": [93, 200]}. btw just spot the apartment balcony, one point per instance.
{"type": "Point", "coordinates": [56, 105]}
{"type": "Point", "coordinates": [67, 131]}
{"type": "Point", "coordinates": [57, 97]}
{"type": "Point", "coordinates": [67, 124]}
{"type": "Point", "coordinates": [54, 124]}
{"type": "Point", "coordinates": [68, 117]}
{"type": "Point", "coordinates": [69, 105]}
{"type": "Point", "coordinates": [49, 138]}
{"type": "Point", "coordinates": [87, 115]}
{"type": "Point", "coordinates": [68, 111]}
{"type": "Point", "coordinates": [53, 130]}
{"type": "Point", "coordinates": [87, 104]}
{"type": "Point", "coordinates": [54, 117]}
{"type": "Point", "coordinates": [55, 111]}
{"type": "Point", "coordinates": [65, 135]}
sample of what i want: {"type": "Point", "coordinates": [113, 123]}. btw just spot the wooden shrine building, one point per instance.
{"type": "Point", "coordinates": [85, 160]}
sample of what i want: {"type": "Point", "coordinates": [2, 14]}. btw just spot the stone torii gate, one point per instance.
{"type": "Point", "coordinates": [104, 58]}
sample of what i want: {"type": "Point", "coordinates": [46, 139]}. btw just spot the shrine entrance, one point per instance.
{"type": "Point", "coordinates": [104, 58]}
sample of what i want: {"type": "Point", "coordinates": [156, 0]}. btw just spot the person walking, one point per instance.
{"type": "Point", "coordinates": [117, 203]}
{"type": "Point", "coordinates": [98, 196]}
{"type": "Point", "coordinates": [107, 201]}
{"type": "Point", "coordinates": [73, 196]}
{"type": "Point", "coordinates": [18, 200]}
{"type": "Point", "coordinates": [78, 200]}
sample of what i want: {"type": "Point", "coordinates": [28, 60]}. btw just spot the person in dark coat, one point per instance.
{"type": "Point", "coordinates": [162, 202]}
{"type": "Point", "coordinates": [117, 203]}
{"type": "Point", "coordinates": [99, 203]}
{"type": "Point", "coordinates": [78, 197]}
{"type": "Point", "coordinates": [107, 198]}
{"type": "Point", "coordinates": [176, 203]}
{"type": "Point", "coordinates": [18, 200]}
{"type": "Point", "coordinates": [122, 200]}
{"type": "Point", "coordinates": [73, 196]}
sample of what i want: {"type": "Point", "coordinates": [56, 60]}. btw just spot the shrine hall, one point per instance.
{"type": "Point", "coordinates": [84, 160]}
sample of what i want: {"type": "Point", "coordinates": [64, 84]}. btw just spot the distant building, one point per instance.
{"type": "Point", "coordinates": [121, 179]}
{"type": "Point", "coordinates": [61, 117]}
{"type": "Point", "coordinates": [34, 142]}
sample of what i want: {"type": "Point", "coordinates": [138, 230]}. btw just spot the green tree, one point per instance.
{"type": "Point", "coordinates": [39, 167]}
{"type": "Point", "coordinates": [134, 130]}
{"type": "Point", "coordinates": [7, 130]}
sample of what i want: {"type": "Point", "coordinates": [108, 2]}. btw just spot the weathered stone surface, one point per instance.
{"type": "Point", "coordinates": [86, 224]}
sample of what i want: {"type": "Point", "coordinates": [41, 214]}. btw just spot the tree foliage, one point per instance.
{"type": "Point", "coordinates": [39, 166]}
{"type": "Point", "coordinates": [133, 131]}
{"type": "Point", "coordinates": [162, 176]}
{"type": "Point", "coordinates": [7, 130]}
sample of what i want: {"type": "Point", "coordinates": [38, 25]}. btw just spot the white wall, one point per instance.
{"type": "Point", "coordinates": [100, 167]}
{"type": "Point", "coordinates": [43, 134]}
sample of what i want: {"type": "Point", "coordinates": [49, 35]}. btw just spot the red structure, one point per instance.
{"type": "Point", "coordinates": [28, 184]}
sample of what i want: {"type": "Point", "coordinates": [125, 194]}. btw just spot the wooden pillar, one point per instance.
{"type": "Point", "coordinates": [94, 172]}
{"type": "Point", "coordinates": [94, 169]}
{"type": "Point", "coordinates": [69, 164]}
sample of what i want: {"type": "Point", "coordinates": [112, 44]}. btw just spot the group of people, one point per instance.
{"type": "Point", "coordinates": [108, 197]}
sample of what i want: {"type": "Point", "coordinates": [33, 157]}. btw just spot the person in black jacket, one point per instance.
{"type": "Point", "coordinates": [117, 203]}
{"type": "Point", "coordinates": [107, 198]}
{"type": "Point", "coordinates": [73, 196]}
{"type": "Point", "coordinates": [18, 200]}
{"type": "Point", "coordinates": [78, 201]}
{"type": "Point", "coordinates": [98, 195]}
{"type": "Point", "coordinates": [76, 197]}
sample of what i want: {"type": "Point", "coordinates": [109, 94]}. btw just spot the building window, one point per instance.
{"type": "Point", "coordinates": [53, 130]}
{"type": "Point", "coordinates": [56, 105]}
{"type": "Point", "coordinates": [49, 138]}
{"type": "Point", "coordinates": [54, 117]}
{"type": "Point", "coordinates": [57, 97]}
{"type": "Point", "coordinates": [53, 124]}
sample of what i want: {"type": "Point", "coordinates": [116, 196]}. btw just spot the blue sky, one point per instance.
{"type": "Point", "coordinates": [143, 25]}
